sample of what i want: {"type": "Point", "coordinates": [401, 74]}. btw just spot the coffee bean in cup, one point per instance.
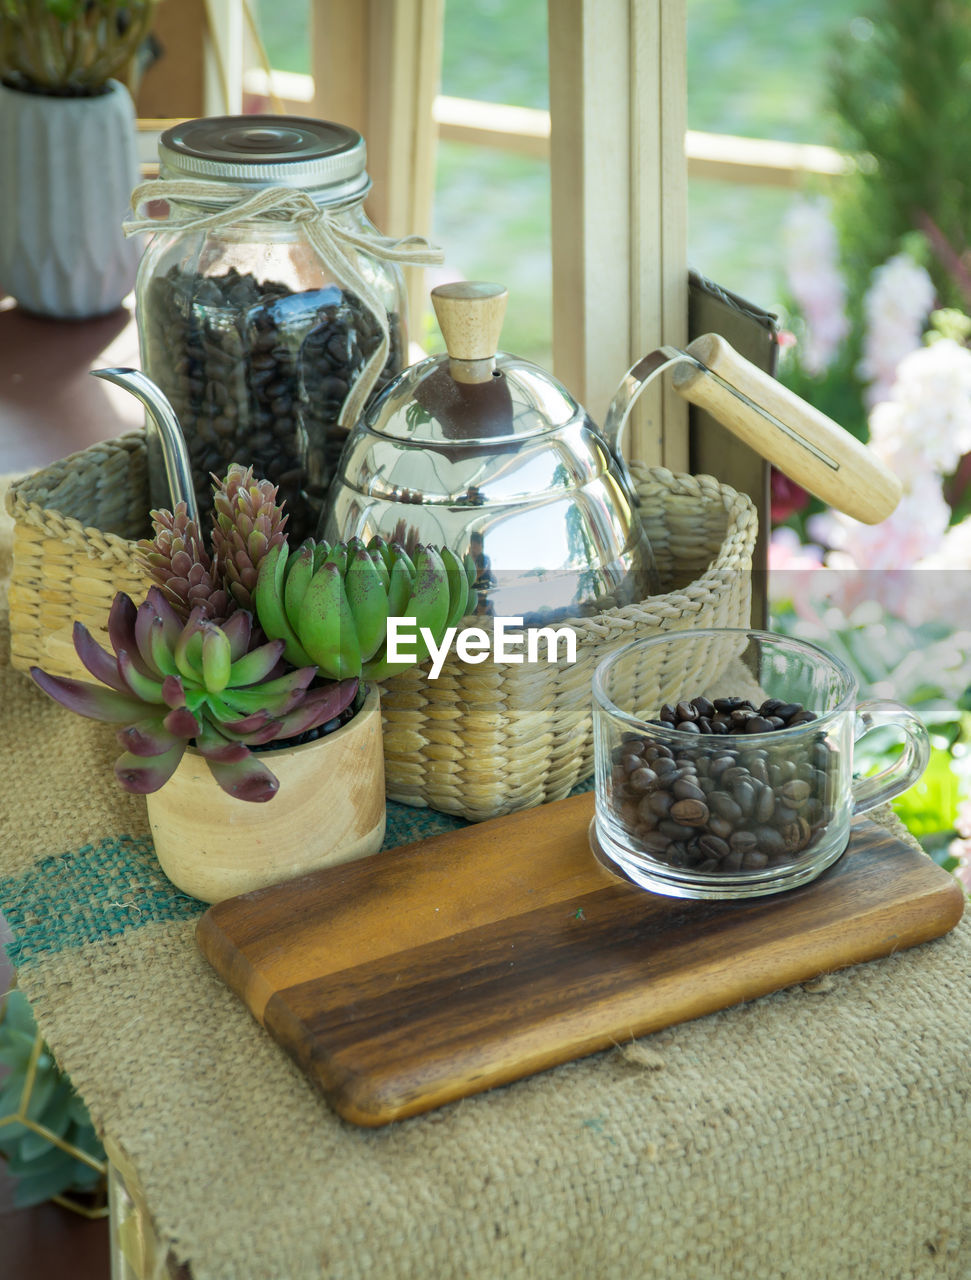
{"type": "Point", "coordinates": [692, 802]}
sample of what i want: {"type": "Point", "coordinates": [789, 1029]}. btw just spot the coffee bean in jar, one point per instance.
{"type": "Point", "coordinates": [693, 801]}
{"type": "Point", "coordinates": [269, 308]}
{"type": "Point", "coordinates": [257, 372]}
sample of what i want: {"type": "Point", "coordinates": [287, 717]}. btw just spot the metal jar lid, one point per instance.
{"type": "Point", "coordinates": [318, 156]}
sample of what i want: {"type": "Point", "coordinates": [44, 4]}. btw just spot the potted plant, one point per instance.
{"type": "Point", "coordinates": [46, 1134]}
{"type": "Point", "coordinates": [68, 158]}
{"type": "Point", "coordinates": [251, 671]}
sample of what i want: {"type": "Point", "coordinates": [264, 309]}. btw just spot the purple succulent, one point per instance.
{"type": "Point", "coordinates": [170, 683]}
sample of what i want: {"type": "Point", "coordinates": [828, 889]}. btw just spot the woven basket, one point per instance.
{"type": "Point", "coordinates": [75, 525]}
{"type": "Point", "coordinates": [485, 740]}
{"type": "Point", "coordinates": [479, 741]}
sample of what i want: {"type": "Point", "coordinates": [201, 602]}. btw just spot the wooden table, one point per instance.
{"type": "Point", "coordinates": [50, 406]}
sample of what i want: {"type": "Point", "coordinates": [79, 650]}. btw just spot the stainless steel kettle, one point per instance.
{"type": "Point", "coordinates": [488, 454]}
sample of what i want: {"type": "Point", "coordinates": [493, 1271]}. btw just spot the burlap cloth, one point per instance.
{"type": "Point", "coordinates": [821, 1133]}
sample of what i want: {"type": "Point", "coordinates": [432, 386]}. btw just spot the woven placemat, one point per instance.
{"type": "Point", "coordinates": [817, 1133]}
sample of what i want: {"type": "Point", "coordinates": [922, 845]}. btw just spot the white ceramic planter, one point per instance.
{"type": "Point", "coordinates": [67, 169]}
{"type": "Point", "coordinates": [330, 808]}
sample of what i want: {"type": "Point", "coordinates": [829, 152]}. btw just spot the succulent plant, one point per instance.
{"type": "Point", "coordinates": [170, 683]}
{"type": "Point", "coordinates": [330, 605]}
{"type": "Point", "coordinates": [45, 1130]}
{"type": "Point", "coordinates": [178, 561]}
{"type": "Point", "coordinates": [247, 523]}
{"type": "Point", "coordinates": [69, 48]}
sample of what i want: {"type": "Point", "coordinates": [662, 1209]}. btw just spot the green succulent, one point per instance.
{"type": "Point", "coordinates": [170, 683]}
{"type": "Point", "coordinates": [53, 1110]}
{"type": "Point", "coordinates": [330, 605]}
{"type": "Point", "coordinates": [69, 48]}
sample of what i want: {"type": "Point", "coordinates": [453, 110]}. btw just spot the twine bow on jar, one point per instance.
{"type": "Point", "coordinates": [337, 245]}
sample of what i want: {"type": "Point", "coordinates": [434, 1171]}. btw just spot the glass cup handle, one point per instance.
{"type": "Point", "coordinates": [876, 713]}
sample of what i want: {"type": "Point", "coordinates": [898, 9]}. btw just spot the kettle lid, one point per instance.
{"type": "Point", "coordinates": [474, 393]}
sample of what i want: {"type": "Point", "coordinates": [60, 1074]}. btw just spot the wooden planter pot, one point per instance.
{"type": "Point", "coordinates": [330, 808]}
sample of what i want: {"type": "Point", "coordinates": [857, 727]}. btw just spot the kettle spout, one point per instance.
{"type": "Point", "coordinates": [163, 422]}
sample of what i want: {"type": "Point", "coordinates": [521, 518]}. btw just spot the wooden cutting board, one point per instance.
{"type": "Point", "coordinates": [470, 959]}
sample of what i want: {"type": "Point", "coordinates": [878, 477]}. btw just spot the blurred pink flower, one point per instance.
{"type": "Point", "coordinates": [792, 568]}
{"type": "Point", "coordinates": [896, 306]}
{"type": "Point", "coordinates": [925, 423]}
{"type": "Point", "coordinates": [818, 288]}
{"type": "Point", "coordinates": [961, 849]}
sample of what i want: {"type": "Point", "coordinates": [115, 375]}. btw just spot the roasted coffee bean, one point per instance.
{"type": "Point", "coordinates": [659, 803]}
{"type": "Point", "coordinates": [796, 792]}
{"type": "Point", "coordinates": [684, 789]}
{"type": "Point", "coordinates": [715, 847]}
{"type": "Point", "coordinates": [642, 779]}
{"type": "Point", "coordinates": [685, 711]}
{"type": "Point", "coordinates": [735, 773]}
{"type": "Point", "coordinates": [771, 707]}
{"type": "Point", "coordinates": [754, 860]}
{"type": "Point", "coordinates": [643, 823]}
{"type": "Point", "coordinates": [801, 717]}
{"type": "Point", "coordinates": [730, 704]}
{"type": "Point", "coordinates": [724, 805]}
{"type": "Point", "coordinates": [676, 830]}
{"type": "Point", "coordinates": [765, 804]}
{"type": "Point", "coordinates": [720, 826]}
{"type": "Point", "coordinates": [693, 813]}
{"type": "Point", "coordinates": [786, 710]}
{"type": "Point", "coordinates": [743, 840]}
{"type": "Point", "coordinates": [758, 724]}
{"type": "Point", "coordinates": [720, 763]}
{"type": "Point", "coordinates": [770, 841]}
{"type": "Point", "coordinates": [759, 769]}
{"type": "Point", "coordinates": [744, 793]}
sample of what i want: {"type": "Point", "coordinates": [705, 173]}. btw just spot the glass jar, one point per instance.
{"type": "Point", "coordinates": [262, 299]}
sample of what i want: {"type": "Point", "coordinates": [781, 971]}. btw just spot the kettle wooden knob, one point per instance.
{"type": "Point", "coordinates": [470, 315]}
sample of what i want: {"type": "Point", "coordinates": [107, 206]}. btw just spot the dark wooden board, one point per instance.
{"type": "Point", "coordinates": [471, 959]}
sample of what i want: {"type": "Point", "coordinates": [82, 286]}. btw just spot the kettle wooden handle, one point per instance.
{"type": "Point", "coordinates": [810, 448]}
